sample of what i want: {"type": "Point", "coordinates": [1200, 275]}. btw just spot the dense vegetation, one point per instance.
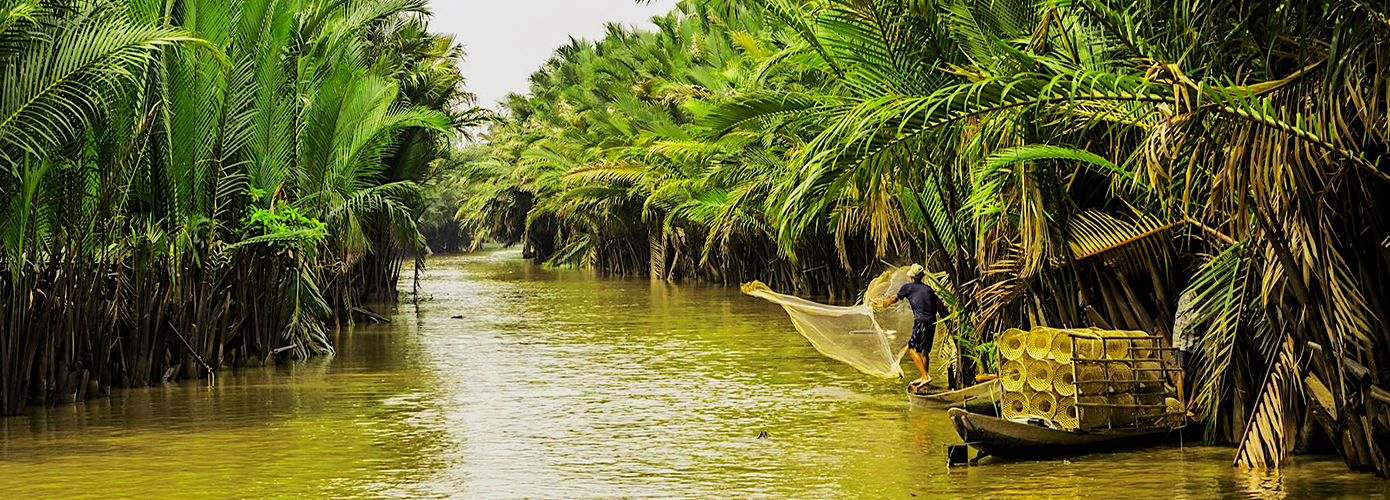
{"type": "Point", "coordinates": [1068, 163]}
{"type": "Point", "coordinates": [192, 184]}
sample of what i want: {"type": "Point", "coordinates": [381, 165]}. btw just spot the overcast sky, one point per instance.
{"type": "Point", "coordinates": [507, 40]}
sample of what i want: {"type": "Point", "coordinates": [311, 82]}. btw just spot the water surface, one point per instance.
{"type": "Point", "coordinates": [561, 384]}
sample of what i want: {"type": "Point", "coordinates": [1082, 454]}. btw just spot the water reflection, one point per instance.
{"type": "Point", "coordinates": [564, 384]}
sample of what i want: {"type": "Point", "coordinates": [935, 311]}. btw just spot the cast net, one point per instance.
{"type": "Point", "coordinates": [871, 341]}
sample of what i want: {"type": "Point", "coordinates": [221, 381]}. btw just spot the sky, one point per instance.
{"type": "Point", "coordinates": [507, 40]}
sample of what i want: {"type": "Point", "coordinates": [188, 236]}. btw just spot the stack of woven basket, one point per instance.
{"type": "Point", "coordinates": [1083, 379]}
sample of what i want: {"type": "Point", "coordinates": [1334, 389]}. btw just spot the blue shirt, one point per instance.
{"type": "Point", "coordinates": [922, 298]}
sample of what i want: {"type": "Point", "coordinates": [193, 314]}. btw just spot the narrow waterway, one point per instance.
{"type": "Point", "coordinates": [560, 384]}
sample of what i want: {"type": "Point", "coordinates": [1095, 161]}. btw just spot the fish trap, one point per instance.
{"type": "Point", "coordinates": [1177, 415]}
{"type": "Point", "coordinates": [1013, 375]}
{"type": "Point", "coordinates": [1149, 375]}
{"type": "Point", "coordinates": [1092, 412]}
{"type": "Point", "coordinates": [1039, 342]}
{"type": "Point", "coordinates": [1091, 379]}
{"type": "Point", "coordinates": [1125, 412]}
{"type": "Point", "coordinates": [1040, 372]}
{"type": "Point", "coordinates": [1012, 344]}
{"type": "Point", "coordinates": [1086, 344]}
{"type": "Point", "coordinates": [1013, 404]}
{"type": "Point", "coordinates": [1121, 376]}
{"type": "Point", "coordinates": [1062, 346]}
{"type": "Point", "coordinates": [1143, 346]}
{"type": "Point", "coordinates": [1065, 414]}
{"type": "Point", "coordinates": [1064, 381]}
{"type": "Point", "coordinates": [1153, 409]}
{"type": "Point", "coordinates": [1042, 404]}
{"type": "Point", "coordinates": [1117, 346]}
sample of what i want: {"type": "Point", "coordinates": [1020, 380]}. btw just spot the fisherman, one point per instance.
{"type": "Point", "coordinates": [1185, 344]}
{"type": "Point", "coordinates": [923, 301]}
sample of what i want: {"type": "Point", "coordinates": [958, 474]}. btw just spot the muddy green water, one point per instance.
{"type": "Point", "coordinates": [559, 384]}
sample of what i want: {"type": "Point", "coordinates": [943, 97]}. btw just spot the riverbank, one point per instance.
{"type": "Point", "coordinates": [559, 383]}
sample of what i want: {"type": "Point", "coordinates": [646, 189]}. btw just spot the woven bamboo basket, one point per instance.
{"type": "Point", "coordinates": [1152, 416]}
{"type": "Point", "coordinates": [1122, 416]}
{"type": "Point", "coordinates": [1013, 375]}
{"type": "Point", "coordinates": [1039, 342]}
{"type": "Point", "coordinates": [1042, 404]}
{"type": "Point", "coordinates": [1040, 373]}
{"type": "Point", "coordinates": [1149, 374]}
{"type": "Point", "coordinates": [1117, 346]}
{"type": "Point", "coordinates": [1064, 381]}
{"type": "Point", "coordinates": [1012, 344]}
{"type": "Point", "coordinates": [1177, 415]}
{"type": "Point", "coordinates": [1061, 346]}
{"type": "Point", "coordinates": [1121, 376]}
{"type": "Point", "coordinates": [1090, 417]}
{"type": "Point", "coordinates": [1013, 405]}
{"type": "Point", "coordinates": [1066, 415]}
{"type": "Point", "coordinates": [1091, 379]}
{"type": "Point", "coordinates": [1086, 347]}
{"type": "Point", "coordinates": [1144, 345]}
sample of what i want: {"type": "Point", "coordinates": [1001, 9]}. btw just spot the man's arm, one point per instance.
{"type": "Point", "coordinates": [884, 303]}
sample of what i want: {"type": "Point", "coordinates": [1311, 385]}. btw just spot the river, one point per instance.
{"type": "Point", "coordinates": [561, 384]}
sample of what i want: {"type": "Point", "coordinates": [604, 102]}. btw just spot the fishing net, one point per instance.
{"type": "Point", "coordinates": [871, 341]}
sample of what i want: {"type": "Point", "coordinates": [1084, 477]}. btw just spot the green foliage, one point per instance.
{"type": "Point", "coordinates": [284, 227]}
{"type": "Point", "coordinates": [1063, 163]}
{"type": "Point", "coordinates": [162, 157]}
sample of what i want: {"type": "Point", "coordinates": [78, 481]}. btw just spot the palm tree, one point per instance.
{"type": "Point", "coordinates": [1066, 164]}
{"type": "Point", "coordinates": [189, 183]}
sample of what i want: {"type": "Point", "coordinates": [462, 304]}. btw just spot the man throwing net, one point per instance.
{"type": "Point", "coordinates": [923, 301]}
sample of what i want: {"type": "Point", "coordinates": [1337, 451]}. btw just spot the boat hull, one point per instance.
{"type": "Point", "coordinates": [982, 398]}
{"type": "Point", "coordinates": [1003, 438]}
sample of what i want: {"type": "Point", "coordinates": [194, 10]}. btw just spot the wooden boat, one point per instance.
{"type": "Point", "coordinates": [981, 398]}
{"type": "Point", "coordinates": [1003, 438]}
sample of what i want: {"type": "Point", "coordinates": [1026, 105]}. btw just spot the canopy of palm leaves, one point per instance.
{"type": "Point", "coordinates": [202, 183]}
{"type": "Point", "coordinates": [1066, 163]}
